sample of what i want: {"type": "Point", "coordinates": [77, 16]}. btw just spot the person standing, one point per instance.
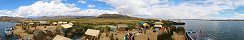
{"type": "Point", "coordinates": [145, 30]}
{"type": "Point", "coordinates": [133, 37]}
{"type": "Point", "coordinates": [129, 36]}
{"type": "Point", "coordinates": [126, 37]}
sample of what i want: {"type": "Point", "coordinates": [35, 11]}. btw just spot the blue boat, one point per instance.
{"type": "Point", "coordinates": [196, 36]}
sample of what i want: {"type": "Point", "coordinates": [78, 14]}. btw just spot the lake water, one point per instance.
{"type": "Point", "coordinates": [3, 25]}
{"type": "Point", "coordinates": [217, 30]}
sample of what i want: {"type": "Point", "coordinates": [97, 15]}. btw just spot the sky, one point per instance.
{"type": "Point", "coordinates": [163, 9]}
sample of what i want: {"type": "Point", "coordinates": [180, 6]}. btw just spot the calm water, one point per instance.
{"type": "Point", "coordinates": [3, 25]}
{"type": "Point", "coordinates": [218, 30]}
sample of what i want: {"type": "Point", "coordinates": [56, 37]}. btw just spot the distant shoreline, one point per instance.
{"type": "Point", "coordinates": [209, 19]}
{"type": "Point", "coordinates": [225, 20]}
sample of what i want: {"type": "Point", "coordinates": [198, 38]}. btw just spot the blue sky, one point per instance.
{"type": "Point", "coordinates": [168, 9]}
{"type": "Point", "coordinates": [239, 9]}
{"type": "Point", "coordinates": [13, 4]}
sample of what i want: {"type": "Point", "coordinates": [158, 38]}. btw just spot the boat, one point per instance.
{"type": "Point", "coordinates": [13, 27]}
{"type": "Point", "coordinates": [196, 36]}
{"type": "Point", "coordinates": [178, 22]}
{"type": "Point", "coordinates": [8, 30]}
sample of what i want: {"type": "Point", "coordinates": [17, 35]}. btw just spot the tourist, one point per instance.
{"type": "Point", "coordinates": [133, 37]}
{"type": "Point", "coordinates": [129, 36]}
{"type": "Point", "coordinates": [145, 30]}
{"type": "Point", "coordinates": [126, 37]}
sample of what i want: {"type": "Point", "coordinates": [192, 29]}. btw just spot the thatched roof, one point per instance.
{"type": "Point", "coordinates": [39, 35]}
{"type": "Point", "coordinates": [70, 23]}
{"type": "Point", "coordinates": [58, 37]}
{"type": "Point", "coordinates": [92, 32]}
{"type": "Point", "coordinates": [145, 24]}
{"type": "Point", "coordinates": [158, 26]}
{"type": "Point", "coordinates": [51, 28]}
{"type": "Point", "coordinates": [122, 26]}
{"type": "Point", "coordinates": [66, 25]}
{"type": "Point", "coordinates": [54, 23]}
{"type": "Point", "coordinates": [44, 22]}
{"type": "Point", "coordinates": [158, 23]}
{"type": "Point", "coordinates": [60, 22]}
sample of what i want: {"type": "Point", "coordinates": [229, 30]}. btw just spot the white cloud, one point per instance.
{"type": "Point", "coordinates": [96, 12]}
{"type": "Point", "coordinates": [82, 1]}
{"type": "Point", "coordinates": [41, 8]}
{"type": "Point", "coordinates": [47, 9]}
{"type": "Point", "coordinates": [237, 16]}
{"type": "Point", "coordinates": [164, 9]}
{"type": "Point", "coordinates": [91, 6]}
{"type": "Point", "coordinates": [7, 13]}
{"type": "Point", "coordinates": [56, 1]}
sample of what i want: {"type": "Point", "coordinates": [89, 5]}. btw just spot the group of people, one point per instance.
{"type": "Point", "coordinates": [129, 36]}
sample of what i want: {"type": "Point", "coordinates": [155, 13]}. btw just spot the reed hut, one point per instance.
{"type": "Point", "coordinates": [92, 34]}
{"type": "Point", "coordinates": [122, 27]}
{"type": "Point", "coordinates": [157, 27]}
{"type": "Point", "coordinates": [58, 37]}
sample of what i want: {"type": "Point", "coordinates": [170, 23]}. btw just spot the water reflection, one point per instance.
{"type": "Point", "coordinates": [218, 30]}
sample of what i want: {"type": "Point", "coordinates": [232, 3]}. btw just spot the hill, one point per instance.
{"type": "Point", "coordinates": [80, 17]}
{"type": "Point", "coordinates": [10, 19]}
{"type": "Point", "coordinates": [113, 16]}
